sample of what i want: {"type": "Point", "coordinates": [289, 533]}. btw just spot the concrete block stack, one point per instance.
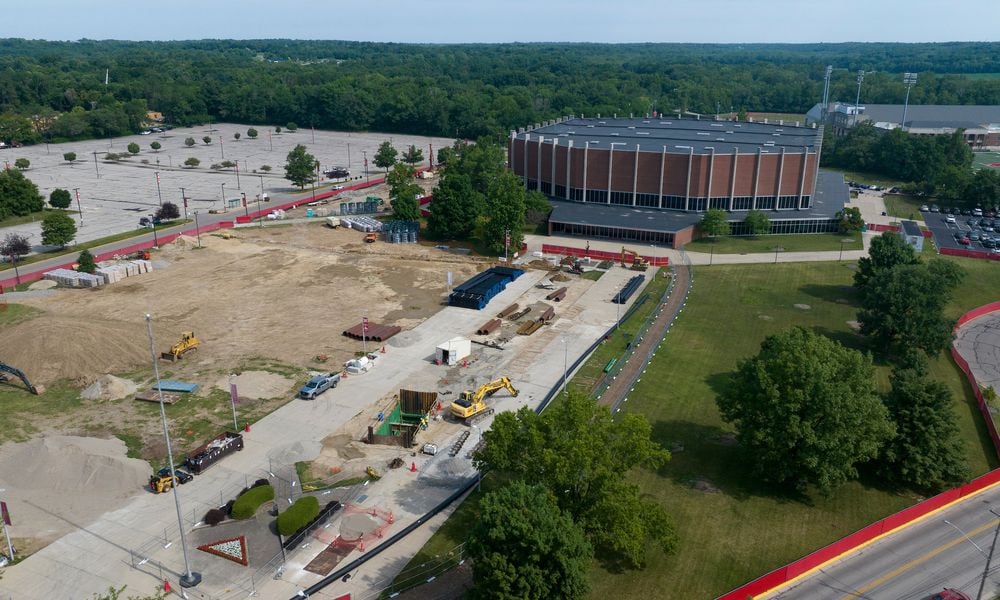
{"type": "Point", "coordinates": [114, 271]}
{"type": "Point", "coordinates": [70, 278]}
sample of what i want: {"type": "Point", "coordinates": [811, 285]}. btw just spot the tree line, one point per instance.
{"type": "Point", "coordinates": [460, 90]}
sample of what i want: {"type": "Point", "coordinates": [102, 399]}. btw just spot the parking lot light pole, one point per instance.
{"type": "Point", "coordinates": [190, 578]}
{"type": "Point", "coordinates": [224, 207]}
{"type": "Point", "coordinates": [184, 201]}
{"type": "Point", "coordinates": [158, 194]}
{"type": "Point", "coordinates": [197, 229]}
{"type": "Point", "coordinates": [79, 209]}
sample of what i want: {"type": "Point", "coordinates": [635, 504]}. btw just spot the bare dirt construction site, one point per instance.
{"type": "Point", "coordinates": [265, 303]}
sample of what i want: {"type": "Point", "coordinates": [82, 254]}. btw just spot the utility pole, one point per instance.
{"type": "Point", "coordinates": [185, 201]}
{"type": "Point", "coordinates": [368, 178]}
{"type": "Point", "coordinates": [238, 176]}
{"type": "Point", "coordinates": [158, 194]}
{"type": "Point", "coordinates": [95, 165]}
{"type": "Point", "coordinates": [222, 147]}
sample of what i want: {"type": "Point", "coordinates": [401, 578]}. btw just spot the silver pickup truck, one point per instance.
{"type": "Point", "coordinates": [319, 384]}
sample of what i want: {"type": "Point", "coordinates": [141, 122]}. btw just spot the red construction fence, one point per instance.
{"type": "Point", "coordinates": [904, 517]}
{"type": "Point", "coordinates": [927, 233]}
{"type": "Point", "coordinates": [656, 261]}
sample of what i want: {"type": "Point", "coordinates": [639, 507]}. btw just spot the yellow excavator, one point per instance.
{"type": "Point", "coordinates": [638, 263]}
{"type": "Point", "coordinates": [471, 404]}
{"type": "Point", "coordinates": [188, 343]}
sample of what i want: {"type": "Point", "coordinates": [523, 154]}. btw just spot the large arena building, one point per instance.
{"type": "Point", "coordinates": [650, 179]}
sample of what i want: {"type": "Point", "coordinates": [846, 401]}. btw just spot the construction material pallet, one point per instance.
{"type": "Point", "coordinates": [152, 396]}
{"type": "Point", "coordinates": [529, 328]}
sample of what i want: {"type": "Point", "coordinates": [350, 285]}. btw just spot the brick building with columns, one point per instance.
{"type": "Point", "coordinates": [650, 179]}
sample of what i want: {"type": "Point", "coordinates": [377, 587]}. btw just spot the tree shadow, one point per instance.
{"type": "Point", "coordinates": [709, 459]}
{"type": "Point", "coordinates": [848, 339]}
{"type": "Point", "coordinates": [837, 294]}
{"type": "Point", "coordinates": [718, 382]}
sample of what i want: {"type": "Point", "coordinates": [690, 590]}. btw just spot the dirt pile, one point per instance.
{"type": "Point", "coordinates": [60, 483]}
{"type": "Point", "coordinates": [258, 385]}
{"type": "Point", "coordinates": [109, 387]}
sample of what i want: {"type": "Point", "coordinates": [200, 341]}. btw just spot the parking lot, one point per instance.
{"type": "Point", "coordinates": [964, 231]}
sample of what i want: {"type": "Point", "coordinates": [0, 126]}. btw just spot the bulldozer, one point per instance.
{"type": "Point", "coordinates": [473, 404]}
{"type": "Point", "coordinates": [188, 343]}
{"type": "Point", "coordinates": [638, 263]}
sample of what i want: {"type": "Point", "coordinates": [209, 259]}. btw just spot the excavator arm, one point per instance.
{"type": "Point", "coordinates": [5, 368]}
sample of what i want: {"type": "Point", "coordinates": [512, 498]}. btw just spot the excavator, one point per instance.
{"type": "Point", "coordinates": [638, 263]}
{"type": "Point", "coordinates": [5, 368]}
{"type": "Point", "coordinates": [188, 343]}
{"type": "Point", "coordinates": [473, 404]}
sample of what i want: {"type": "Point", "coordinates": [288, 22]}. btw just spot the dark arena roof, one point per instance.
{"type": "Point", "coordinates": [679, 135]}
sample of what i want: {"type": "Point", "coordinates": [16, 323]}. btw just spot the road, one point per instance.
{"type": "Point", "coordinates": [947, 549]}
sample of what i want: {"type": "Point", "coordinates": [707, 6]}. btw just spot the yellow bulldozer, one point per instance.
{"type": "Point", "coordinates": [188, 343]}
{"type": "Point", "coordinates": [473, 404]}
{"type": "Point", "coordinates": [638, 263]}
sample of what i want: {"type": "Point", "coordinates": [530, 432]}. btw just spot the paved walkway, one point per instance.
{"type": "Point", "coordinates": [978, 341]}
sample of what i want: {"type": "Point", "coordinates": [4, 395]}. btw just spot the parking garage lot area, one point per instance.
{"type": "Point", "coordinates": [964, 231]}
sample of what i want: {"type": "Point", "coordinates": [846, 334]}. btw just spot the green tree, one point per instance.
{"type": "Point", "coordinates": [413, 155]}
{"type": "Point", "coordinates": [277, 129]}
{"type": "Point", "coordinates": [715, 222]}
{"type": "Point", "coordinates": [300, 167]}
{"type": "Point", "coordinates": [902, 308]}
{"type": "Point", "coordinates": [189, 142]}
{"type": "Point", "coordinates": [265, 168]}
{"type": "Point", "coordinates": [14, 246]}
{"type": "Point", "coordinates": [503, 214]}
{"type": "Point", "coordinates": [207, 139]}
{"type": "Point", "coordinates": [252, 133]}
{"type": "Point", "coordinates": [156, 146]}
{"type": "Point", "coordinates": [292, 127]}
{"type": "Point", "coordinates": [85, 263]}
{"type": "Point", "coordinates": [133, 148]}
{"type": "Point", "coordinates": [742, 114]}
{"type": "Point", "coordinates": [583, 457]}
{"type": "Point", "coordinates": [168, 211]}
{"type": "Point", "coordinates": [192, 162]}
{"type": "Point", "coordinates": [22, 163]}
{"type": "Point", "coordinates": [524, 547]}
{"type": "Point", "coordinates": [926, 453]}
{"type": "Point", "coordinates": [849, 220]}
{"type": "Point", "coordinates": [757, 222]}
{"type": "Point", "coordinates": [60, 198]}
{"type": "Point", "coordinates": [58, 229]}
{"type": "Point", "coordinates": [18, 195]}
{"type": "Point", "coordinates": [69, 157]}
{"type": "Point", "coordinates": [456, 208]}
{"type": "Point", "coordinates": [385, 156]}
{"type": "Point", "coordinates": [885, 252]}
{"type": "Point", "coordinates": [805, 410]}
{"type": "Point", "coordinates": [236, 136]}
{"type": "Point", "coordinates": [403, 193]}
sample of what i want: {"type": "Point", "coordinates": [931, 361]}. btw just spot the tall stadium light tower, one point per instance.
{"type": "Point", "coordinates": [826, 89]}
{"type": "Point", "coordinates": [909, 80]}
{"type": "Point", "coordinates": [857, 100]}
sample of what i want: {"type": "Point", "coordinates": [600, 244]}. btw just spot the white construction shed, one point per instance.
{"type": "Point", "coordinates": [454, 350]}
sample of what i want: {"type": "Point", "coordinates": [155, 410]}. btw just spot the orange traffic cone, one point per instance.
{"type": "Point", "coordinates": [246, 427]}
{"type": "Point", "coordinates": [465, 363]}
{"type": "Point", "coordinates": [413, 467]}
{"type": "Point", "coordinates": [166, 586]}
{"type": "Point", "coordinates": [383, 349]}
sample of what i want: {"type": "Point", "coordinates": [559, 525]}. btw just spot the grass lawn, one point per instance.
{"type": "Point", "coordinates": [867, 178]}
{"type": "Point", "coordinates": [731, 527]}
{"type": "Point", "coordinates": [767, 243]}
{"type": "Point", "coordinates": [904, 207]}
{"type": "Point", "coordinates": [36, 216]}
{"type": "Point", "coordinates": [14, 313]}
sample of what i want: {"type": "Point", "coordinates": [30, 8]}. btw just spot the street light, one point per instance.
{"type": "Point", "coordinates": [224, 206]}
{"type": "Point", "coordinates": [367, 176]}
{"type": "Point", "coordinates": [190, 578]}
{"type": "Point", "coordinates": [246, 207]}
{"type": "Point", "coordinates": [197, 229]}
{"type": "Point", "coordinates": [909, 80]}
{"type": "Point", "coordinates": [565, 366]}
{"type": "Point", "coordinates": [238, 186]}
{"type": "Point", "coordinates": [158, 194]}
{"type": "Point", "coordinates": [79, 209]}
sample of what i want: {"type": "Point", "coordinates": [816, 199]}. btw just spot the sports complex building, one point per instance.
{"type": "Point", "coordinates": [650, 179]}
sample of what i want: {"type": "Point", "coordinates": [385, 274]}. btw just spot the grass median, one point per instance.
{"type": "Point", "coordinates": [819, 242]}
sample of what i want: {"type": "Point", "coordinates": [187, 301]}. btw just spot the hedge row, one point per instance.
{"type": "Point", "coordinates": [298, 515]}
{"type": "Point", "coordinates": [249, 501]}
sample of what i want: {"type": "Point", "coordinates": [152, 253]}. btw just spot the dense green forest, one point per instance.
{"type": "Point", "coordinates": [465, 90]}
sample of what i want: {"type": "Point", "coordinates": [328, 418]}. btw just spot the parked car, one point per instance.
{"type": "Point", "coordinates": [977, 212]}
{"type": "Point", "coordinates": [974, 236]}
{"type": "Point", "coordinates": [182, 476]}
{"type": "Point", "coordinates": [924, 208]}
{"type": "Point", "coordinates": [973, 222]}
{"type": "Point", "coordinates": [949, 219]}
{"type": "Point", "coordinates": [319, 384]}
{"type": "Point", "coordinates": [948, 594]}
{"type": "Point", "coordinates": [935, 208]}
{"type": "Point", "coordinates": [964, 240]}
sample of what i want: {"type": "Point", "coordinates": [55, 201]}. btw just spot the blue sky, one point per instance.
{"type": "Point", "coordinates": [724, 21]}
